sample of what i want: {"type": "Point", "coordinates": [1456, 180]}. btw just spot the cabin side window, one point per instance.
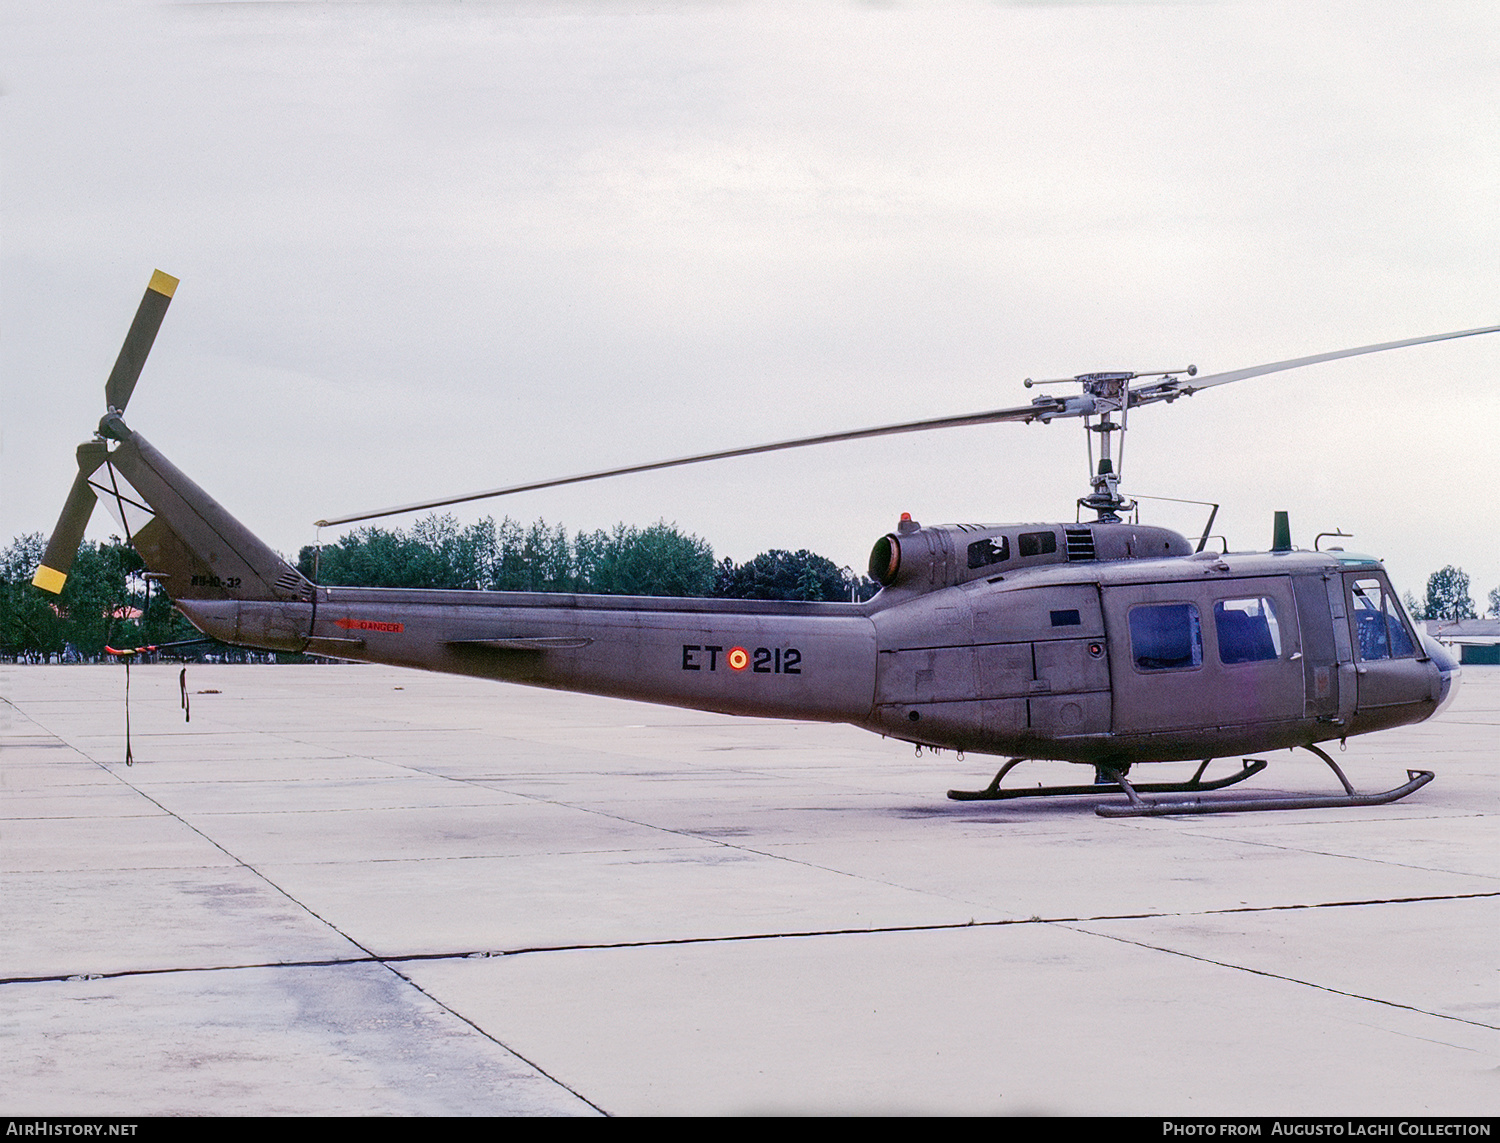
{"type": "Point", "coordinates": [994, 550]}
{"type": "Point", "coordinates": [1377, 622]}
{"type": "Point", "coordinates": [1247, 630]}
{"type": "Point", "coordinates": [1166, 637]}
{"type": "Point", "coordinates": [1036, 543]}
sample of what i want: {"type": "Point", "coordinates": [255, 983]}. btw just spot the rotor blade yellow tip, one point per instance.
{"type": "Point", "coordinates": [163, 284]}
{"type": "Point", "coordinates": [49, 579]}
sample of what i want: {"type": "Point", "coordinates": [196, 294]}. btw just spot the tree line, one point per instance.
{"type": "Point", "coordinates": [107, 600]}
{"type": "Point", "coordinates": [1448, 597]}
{"type": "Point", "coordinates": [510, 556]}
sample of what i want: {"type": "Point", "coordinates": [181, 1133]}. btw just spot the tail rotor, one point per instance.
{"type": "Point", "coordinates": [57, 561]}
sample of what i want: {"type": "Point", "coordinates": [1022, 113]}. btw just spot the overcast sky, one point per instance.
{"type": "Point", "coordinates": [433, 247]}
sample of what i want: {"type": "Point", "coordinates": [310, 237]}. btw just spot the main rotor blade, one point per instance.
{"type": "Point", "coordinates": [1042, 408]}
{"type": "Point", "coordinates": [57, 560]}
{"type": "Point", "coordinates": [1298, 362]}
{"type": "Point", "coordinates": [138, 341]}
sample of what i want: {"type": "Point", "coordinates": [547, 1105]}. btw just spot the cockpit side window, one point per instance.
{"type": "Point", "coordinates": [1037, 543]}
{"type": "Point", "coordinates": [994, 550]}
{"type": "Point", "coordinates": [1166, 637]}
{"type": "Point", "coordinates": [1378, 626]}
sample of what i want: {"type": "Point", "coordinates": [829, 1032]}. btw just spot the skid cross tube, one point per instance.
{"type": "Point", "coordinates": [1116, 784]}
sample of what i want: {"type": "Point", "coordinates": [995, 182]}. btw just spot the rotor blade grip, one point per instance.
{"type": "Point", "coordinates": [138, 342]}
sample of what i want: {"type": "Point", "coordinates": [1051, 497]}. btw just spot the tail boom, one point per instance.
{"type": "Point", "coordinates": [788, 660]}
{"type": "Point", "coordinates": [785, 660]}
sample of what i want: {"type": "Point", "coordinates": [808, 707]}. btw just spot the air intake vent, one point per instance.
{"type": "Point", "coordinates": [1080, 543]}
{"type": "Point", "coordinates": [292, 584]}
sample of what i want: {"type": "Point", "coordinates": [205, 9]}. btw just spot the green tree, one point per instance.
{"type": "Point", "coordinates": [1448, 595]}
{"type": "Point", "coordinates": [549, 555]}
{"type": "Point", "coordinates": [509, 556]}
{"type": "Point", "coordinates": [1495, 603]}
{"type": "Point", "coordinates": [97, 598]}
{"type": "Point", "coordinates": [658, 560]}
{"type": "Point", "coordinates": [96, 606]}
{"type": "Point", "coordinates": [508, 571]}
{"type": "Point", "coordinates": [30, 621]}
{"type": "Point", "coordinates": [536, 558]}
{"type": "Point", "coordinates": [801, 575]}
{"type": "Point", "coordinates": [437, 553]}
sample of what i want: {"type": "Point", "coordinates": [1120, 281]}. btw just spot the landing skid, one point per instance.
{"type": "Point", "coordinates": [1138, 806]}
{"type": "Point", "coordinates": [1115, 784]}
{"type": "Point", "coordinates": [1141, 807]}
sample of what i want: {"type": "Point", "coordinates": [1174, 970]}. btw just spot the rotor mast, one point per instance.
{"type": "Point", "coordinates": [1105, 394]}
{"type": "Point", "coordinates": [1111, 394]}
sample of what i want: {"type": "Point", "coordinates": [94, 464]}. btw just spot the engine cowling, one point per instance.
{"type": "Point", "coordinates": [925, 559]}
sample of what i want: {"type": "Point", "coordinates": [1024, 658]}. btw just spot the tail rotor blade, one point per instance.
{"type": "Point", "coordinates": [57, 561]}
{"type": "Point", "coordinates": [132, 359]}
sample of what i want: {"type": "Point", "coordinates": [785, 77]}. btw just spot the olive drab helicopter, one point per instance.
{"type": "Point", "coordinates": [1104, 642]}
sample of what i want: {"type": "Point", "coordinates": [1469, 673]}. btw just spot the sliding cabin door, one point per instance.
{"type": "Point", "coordinates": [1190, 655]}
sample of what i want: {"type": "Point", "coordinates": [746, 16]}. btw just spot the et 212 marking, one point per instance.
{"type": "Point", "coordinates": [761, 661]}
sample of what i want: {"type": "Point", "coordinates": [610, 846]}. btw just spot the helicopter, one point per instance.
{"type": "Point", "coordinates": [1105, 642]}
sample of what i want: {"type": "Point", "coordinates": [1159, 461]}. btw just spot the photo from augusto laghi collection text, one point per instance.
{"type": "Point", "coordinates": [1325, 1128]}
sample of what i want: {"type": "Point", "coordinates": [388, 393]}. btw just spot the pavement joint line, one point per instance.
{"type": "Point", "coordinates": [539, 799]}
{"type": "Point", "coordinates": [721, 842]}
{"type": "Point", "coordinates": [725, 843]}
{"type": "Point", "coordinates": [731, 938]}
{"type": "Point", "coordinates": [1284, 978]}
{"type": "Point", "coordinates": [501, 1043]}
{"type": "Point", "coordinates": [535, 798]}
{"type": "Point", "coordinates": [1414, 1036]}
{"type": "Point", "coordinates": [1283, 846]}
{"type": "Point", "coordinates": [728, 844]}
{"type": "Point", "coordinates": [367, 958]}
